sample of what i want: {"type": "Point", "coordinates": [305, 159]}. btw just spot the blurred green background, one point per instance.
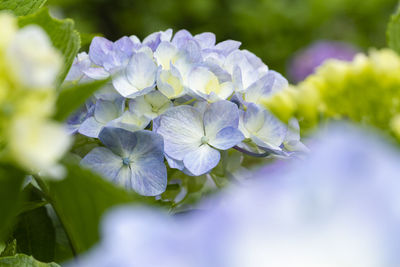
{"type": "Point", "coordinates": [272, 29]}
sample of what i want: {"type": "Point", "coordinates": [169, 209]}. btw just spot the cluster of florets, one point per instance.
{"type": "Point", "coordinates": [184, 98]}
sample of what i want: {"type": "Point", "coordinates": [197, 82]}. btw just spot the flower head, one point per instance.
{"type": "Point", "coordinates": [263, 128]}
{"type": "Point", "coordinates": [194, 137]}
{"type": "Point", "coordinates": [134, 160]}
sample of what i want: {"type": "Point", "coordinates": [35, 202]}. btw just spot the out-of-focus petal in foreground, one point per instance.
{"type": "Point", "coordinates": [339, 207]}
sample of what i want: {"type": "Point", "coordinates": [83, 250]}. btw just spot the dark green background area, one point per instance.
{"type": "Point", "coordinates": [273, 29]}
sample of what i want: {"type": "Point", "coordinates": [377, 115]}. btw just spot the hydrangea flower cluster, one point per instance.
{"type": "Point", "coordinates": [365, 90]}
{"type": "Point", "coordinates": [29, 65]}
{"type": "Point", "coordinates": [185, 96]}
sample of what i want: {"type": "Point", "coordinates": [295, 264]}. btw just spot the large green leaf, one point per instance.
{"type": "Point", "coordinates": [71, 98]}
{"type": "Point", "coordinates": [22, 7]}
{"type": "Point", "coordinates": [61, 32]}
{"type": "Point", "coordinates": [80, 201]}
{"type": "Point", "coordinates": [10, 196]}
{"type": "Point", "coordinates": [22, 260]}
{"type": "Point", "coordinates": [34, 232]}
{"type": "Point", "coordinates": [393, 32]}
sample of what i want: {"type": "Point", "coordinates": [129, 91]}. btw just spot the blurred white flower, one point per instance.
{"type": "Point", "coordinates": [37, 144]}
{"type": "Point", "coordinates": [33, 58]}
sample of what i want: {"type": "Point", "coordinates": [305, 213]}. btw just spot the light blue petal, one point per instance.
{"type": "Point", "coordinates": [98, 50]}
{"type": "Point", "coordinates": [149, 174]}
{"type": "Point", "coordinates": [220, 115]}
{"type": "Point", "coordinates": [106, 111]}
{"type": "Point", "coordinates": [227, 138]}
{"type": "Point", "coordinates": [178, 164]}
{"type": "Point", "coordinates": [104, 162]}
{"type": "Point", "coordinates": [174, 164]}
{"type": "Point", "coordinates": [119, 141]}
{"type": "Point", "coordinates": [182, 130]}
{"type": "Point", "coordinates": [91, 127]}
{"type": "Point", "coordinates": [264, 128]}
{"type": "Point", "coordinates": [202, 160]}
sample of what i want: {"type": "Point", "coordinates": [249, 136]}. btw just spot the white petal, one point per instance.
{"type": "Point", "coordinates": [165, 54]}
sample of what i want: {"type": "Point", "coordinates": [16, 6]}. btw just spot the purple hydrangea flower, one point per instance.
{"type": "Point", "coordinates": [306, 61]}
{"type": "Point", "coordinates": [263, 128]}
{"type": "Point", "coordinates": [194, 137]}
{"type": "Point", "coordinates": [134, 160]}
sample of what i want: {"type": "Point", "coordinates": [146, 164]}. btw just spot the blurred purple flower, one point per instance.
{"type": "Point", "coordinates": [340, 207]}
{"type": "Point", "coordinates": [307, 60]}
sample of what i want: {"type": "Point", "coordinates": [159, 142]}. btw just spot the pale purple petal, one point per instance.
{"type": "Point", "coordinates": [104, 162]}
{"type": "Point", "coordinates": [125, 46]}
{"type": "Point", "coordinates": [270, 83]}
{"type": "Point", "coordinates": [220, 115]}
{"type": "Point", "coordinates": [119, 141]}
{"type": "Point", "coordinates": [227, 138]}
{"type": "Point", "coordinates": [181, 38]}
{"type": "Point", "coordinates": [96, 73]}
{"type": "Point", "coordinates": [264, 128]}
{"type": "Point", "coordinates": [205, 39]}
{"type": "Point", "coordinates": [99, 48]}
{"type": "Point", "coordinates": [154, 39]}
{"type": "Point", "coordinates": [149, 174]}
{"type": "Point", "coordinates": [141, 71]}
{"type": "Point", "coordinates": [202, 160]}
{"type": "Point", "coordinates": [228, 46]}
{"type": "Point", "coordinates": [90, 127]}
{"type": "Point", "coordinates": [174, 164]}
{"type": "Point", "coordinates": [182, 130]}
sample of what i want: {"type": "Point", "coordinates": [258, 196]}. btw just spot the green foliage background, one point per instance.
{"type": "Point", "coordinates": [273, 29]}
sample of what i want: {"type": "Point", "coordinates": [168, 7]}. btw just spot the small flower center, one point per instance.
{"type": "Point", "coordinates": [126, 161]}
{"type": "Point", "coordinates": [204, 140]}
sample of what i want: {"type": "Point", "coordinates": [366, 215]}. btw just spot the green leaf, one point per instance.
{"type": "Point", "coordinates": [73, 97]}
{"type": "Point", "coordinates": [21, 7]}
{"type": "Point", "coordinates": [10, 249]}
{"type": "Point", "coordinates": [22, 260]}
{"type": "Point", "coordinates": [11, 180]}
{"type": "Point", "coordinates": [393, 32]}
{"type": "Point", "coordinates": [61, 32]}
{"type": "Point", "coordinates": [80, 201]}
{"type": "Point", "coordinates": [35, 232]}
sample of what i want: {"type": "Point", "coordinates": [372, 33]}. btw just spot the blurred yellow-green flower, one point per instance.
{"type": "Point", "coordinates": [29, 65]}
{"type": "Point", "coordinates": [365, 90]}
